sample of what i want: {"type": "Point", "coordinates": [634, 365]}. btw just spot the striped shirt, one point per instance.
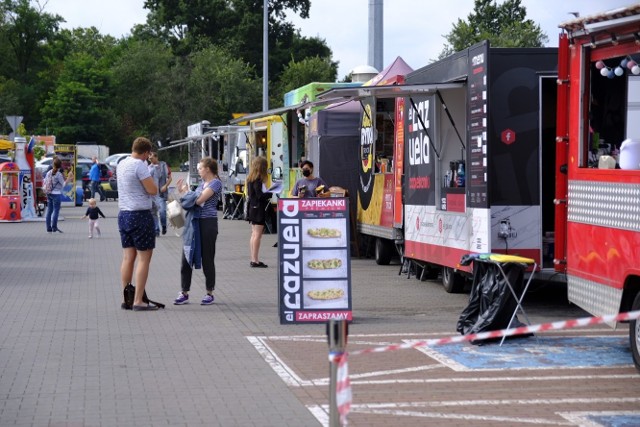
{"type": "Point", "coordinates": [210, 207]}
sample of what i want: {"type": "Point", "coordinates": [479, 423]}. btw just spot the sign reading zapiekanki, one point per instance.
{"type": "Point", "coordinates": [314, 278]}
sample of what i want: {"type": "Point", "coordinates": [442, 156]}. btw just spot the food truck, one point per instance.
{"type": "Point", "coordinates": [452, 161]}
{"type": "Point", "coordinates": [531, 152]}
{"type": "Point", "coordinates": [597, 171]}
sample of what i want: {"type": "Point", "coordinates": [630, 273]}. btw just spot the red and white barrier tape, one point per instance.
{"type": "Point", "coordinates": [564, 324]}
{"type": "Point", "coordinates": [343, 385]}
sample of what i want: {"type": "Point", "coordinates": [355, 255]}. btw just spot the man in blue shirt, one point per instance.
{"type": "Point", "coordinates": [94, 176]}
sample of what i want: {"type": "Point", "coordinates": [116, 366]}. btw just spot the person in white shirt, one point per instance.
{"type": "Point", "coordinates": [136, 190]}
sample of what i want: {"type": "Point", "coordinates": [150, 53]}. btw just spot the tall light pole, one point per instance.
{"type": "Point", "coordinates": [376, 27]}
{"type": "Point", "coordinates": [265, 56]}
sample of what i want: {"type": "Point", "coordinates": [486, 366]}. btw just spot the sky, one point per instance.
{"type": "Point", "coordinates": [413, 29]}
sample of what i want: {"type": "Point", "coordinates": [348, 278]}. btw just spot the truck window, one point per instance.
{"type": "Point", "coordinates": [614, 93]}
{"type": "Point", "coordinates": [451, 166]}
{"type": "Point", "coordinates": [385, 132]}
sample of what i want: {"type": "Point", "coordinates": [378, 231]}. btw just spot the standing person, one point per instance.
{"type": "Point", "coordinates": [53, 199]}
{"type": "Point", "coordinates": [92, 213]}
{"type": "Point", "coordinates": [163, 175]}
{"type": "Point", "coordinates": [153, 171]}
{"type": "Point", "coordinates": [94, 177]}
{"type": "Point", "coordinates": [135, 191]}
{"type": "Point", "coordinates": [201, 230]}
{"type": "Point", "coordinates": [306, 187]}
{"type": "Point", "coordinates": [259, 200]}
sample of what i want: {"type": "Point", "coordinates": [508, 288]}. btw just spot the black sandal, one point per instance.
{"type": "Point", "coordinates": [258, 264]}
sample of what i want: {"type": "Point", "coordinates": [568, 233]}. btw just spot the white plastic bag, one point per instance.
{"type": "Point", "coordinates": [175, 214]}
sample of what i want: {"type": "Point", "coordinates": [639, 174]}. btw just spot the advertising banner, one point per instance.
{"type": "Point", "coordinates": [314, 276]}
{"type": "Point", "coordinates": [477, 153]}
{"type": "Point", "coordinates": [419, 164]}
{"type": "Point", "coordinates": [67, 154]}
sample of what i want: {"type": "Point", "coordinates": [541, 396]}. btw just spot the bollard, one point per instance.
{"type": "Point", "coordinates": [337, 331]}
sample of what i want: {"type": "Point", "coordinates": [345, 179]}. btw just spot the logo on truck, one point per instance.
{"type": "Point", "coordinates": [366, 156]}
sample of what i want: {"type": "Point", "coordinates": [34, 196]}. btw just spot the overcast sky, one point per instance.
{"type": "Point", "coordinates": [413, 29]}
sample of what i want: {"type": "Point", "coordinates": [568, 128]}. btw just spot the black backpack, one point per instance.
{"type": "Point", "coordinates": [129, 292]}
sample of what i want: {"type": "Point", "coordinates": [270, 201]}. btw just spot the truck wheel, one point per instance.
{"type": "Point", "coordinates": [634, 334]}
{"type": "Point", "coordinates": [384, 251]}
{"type": "Point", "coordinates": [452, 281]}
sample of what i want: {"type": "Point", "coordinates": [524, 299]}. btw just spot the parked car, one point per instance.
{"type": "Point", "coordinates": [184, 167]}
{"type": "Point", "coordinates": [114, 159]}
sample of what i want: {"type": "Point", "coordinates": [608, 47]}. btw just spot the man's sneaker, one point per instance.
{"type": "Point", "coordinates": [207, 300]}
{"type": "Point", "coordinates": [164, 230]}
{"type": "Point", "coordinates": [182, 299]}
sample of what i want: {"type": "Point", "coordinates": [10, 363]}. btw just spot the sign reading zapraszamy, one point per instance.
{"type": "Point", "coordinates": [314, 277]}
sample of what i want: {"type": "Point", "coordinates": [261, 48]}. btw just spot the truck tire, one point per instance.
{"type": "Point", "coordinates": [634, 334]}
{"type": "Point", "coordinates": [384, 251]}
{"type": "Point", "coordinates": [453, 282]}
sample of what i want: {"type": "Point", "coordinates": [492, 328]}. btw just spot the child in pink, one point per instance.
{"type": "Point", "coordinates": [92, 213]}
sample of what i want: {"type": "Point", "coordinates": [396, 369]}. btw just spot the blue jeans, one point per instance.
{"type": "Point", "coordinates": [97, 188]}
{"type": "Point", "coordinates": [53, 210]}
{"type": "Point", "coordinates": [161, 206]}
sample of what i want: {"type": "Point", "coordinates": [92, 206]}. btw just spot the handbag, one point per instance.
{"type": "Point", "coordinates": [175, 214]}
{"type": "Point", "coordinates": [129, 292]}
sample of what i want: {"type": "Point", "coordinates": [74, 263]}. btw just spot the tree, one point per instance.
{"type": "Point", "coordinates": [237, 26]}
{"type": "Point", "coordinates": [220, 85]}
{"type": "Point", "coordinates": [25, 37]}
{"type": "Point", "coordinates": [26, 30]}
{"type": "Point", "coordinates": [298, 74]}
{"type": "Point", "coordinates": [148, 96]}
{"type": "Point", "coordinates": [76, 111]}
{"type": "Point", "coordinates": [504, 25]}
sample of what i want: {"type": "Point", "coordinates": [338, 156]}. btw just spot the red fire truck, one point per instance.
{"type": "Point", "coordinates": [597, 208]}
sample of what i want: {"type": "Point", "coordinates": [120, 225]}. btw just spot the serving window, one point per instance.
{"type": "Point", "coordinates": [611, 110]}
{"type": "Point", "coordinates": [385, 133]}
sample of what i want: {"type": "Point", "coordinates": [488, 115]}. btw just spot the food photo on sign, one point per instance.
{"type": "Point", "coordinates": [331, 263]}
{"type": "Point", "coordinates": [326, 294]}
{"type": "Point", "coordinates": [329, 232]}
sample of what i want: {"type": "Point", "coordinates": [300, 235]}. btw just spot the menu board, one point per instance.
{"type": "Point", "coordinates": [476, 174]}
{"type": "Point", "coordinates": [314, 275]}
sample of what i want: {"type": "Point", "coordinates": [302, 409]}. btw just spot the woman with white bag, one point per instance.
{"type": "Point", "coordinates": [201, 230]}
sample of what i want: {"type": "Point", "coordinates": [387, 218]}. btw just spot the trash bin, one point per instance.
{"type": "Point", "coordinates": [491, 303]}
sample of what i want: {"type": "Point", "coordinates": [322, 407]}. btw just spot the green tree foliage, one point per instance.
{"type": "Point", "coordinates": [26, 34]}
{"type": "Point", "coordinates": [298, 74]}
{"type": "Point", "coordinates": [504, 25]}
{"type": "Point", "coordinates": [26, 31]}
{"type": "Point", "coordinates": [190, 61]}
{"type": "Point", "coordinates": [76, 110]}
{"type": "Point", "coordinates": [220, 85]}
{"type": "Point", "coordinates": [237, 26]}
{"type": "Point", "coordinates": [148, 97]}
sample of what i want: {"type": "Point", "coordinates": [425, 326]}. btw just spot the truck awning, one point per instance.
{"type": "Point", "coordinates": [211, 133]}
{"type": "Point", "coordinates": [391, 91]}
{"type": "Point", "coordinates": [394, 91]}
{"type": "Point", "coordinates": [273, 112]}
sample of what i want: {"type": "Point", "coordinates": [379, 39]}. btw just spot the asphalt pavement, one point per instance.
{"type": "Point", "coordinates": [69, 356]}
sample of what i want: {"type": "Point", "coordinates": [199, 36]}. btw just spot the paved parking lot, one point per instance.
{"type": "Point", "coordinates": [69, 356]}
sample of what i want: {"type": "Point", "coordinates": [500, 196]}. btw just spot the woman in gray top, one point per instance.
{"type": "Point", "coordinates": [53, 199]}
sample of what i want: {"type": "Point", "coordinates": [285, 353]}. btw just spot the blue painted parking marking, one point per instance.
{"type": "Point", "coordinates": [615, 420]}
{"type": "Point", "coordinates": [546, 352]}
